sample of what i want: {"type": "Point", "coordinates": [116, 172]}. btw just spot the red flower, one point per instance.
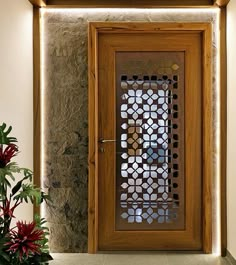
{"type": "Point", "coordinates": [7, 154]}
{"type": "Point", "coordinates": [24, 241]}
{"type": "Point", "coordinates": [7, 211]}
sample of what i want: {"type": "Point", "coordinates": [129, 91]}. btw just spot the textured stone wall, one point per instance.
{"type": "Point", "coordinates": [66, 114]}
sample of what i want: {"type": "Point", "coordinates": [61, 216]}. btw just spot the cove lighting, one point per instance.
{"type": "Point", "coordinates": [43, 108]}
{"type": "Point", "coordinates": [217, 230]}
{"type": "Point", "coordinates": [212, 10]}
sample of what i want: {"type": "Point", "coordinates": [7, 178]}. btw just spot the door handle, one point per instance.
{"type": "Point", "coordinates": [103, 141]}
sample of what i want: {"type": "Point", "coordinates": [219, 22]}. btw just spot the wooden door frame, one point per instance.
{"type": "Point", "coordinates": [133, 27]}
{"type": "Point", "coordinates": [120, 3]}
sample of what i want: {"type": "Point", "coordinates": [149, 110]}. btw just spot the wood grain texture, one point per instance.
{"type": "Point", "coordinates": [92, 157]}
{"type": "Point", "coordinates": [207, 140]}
{"type": "Point", "coordinates": [126, 4]}
{"type": "Point", "coordinates": [106, 130]}
{"type": "Point", "coordinates": [36, 100]}
{"type": "Point", "coordinates": [221, 3]}
{"type": "Point", "coordinates": [223, 130]}
{"type": "Point", "coordinates": [144, 63]}
{"type": "Point", "coordinates": [190, 237]}
{"type": "Point", "coordinates": [38, 3]}
{"type": "Point", "coordinates": [207, 148]}
{"type": "Point", "coordinates": [134, 27]}
{"type": "Point", "coordinates": [132, 3]}
{"type": "Point", "coordinates": [193, 136]}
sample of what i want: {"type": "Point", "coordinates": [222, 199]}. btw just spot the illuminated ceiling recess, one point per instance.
{"type": "Point", "coordinates": [128, 4]}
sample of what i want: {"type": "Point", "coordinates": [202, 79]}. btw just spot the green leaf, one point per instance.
{"type": "Point", "coordinates": [44, 197]}
{"type": "Point", "coordinates": [4, 261]}
{"type": "Point", "coordinates": [17, 187]}
{"type": "Point", "coordinates": [8, 171]}
{"type": "Point", "coordinates": [4, 138]}
{"type": "Point", "coordinates": [28, 192]}
{"type": "Point", "coordinates": [14, 168]}
{"type": "Point", "coordinates": [39, 221]}
{"type": "Point", "coordinates": [43, 258]}
{"type": "Point", "coordinates": [44, 248]}
{"type": "Point", "coordinates": [4, 256]}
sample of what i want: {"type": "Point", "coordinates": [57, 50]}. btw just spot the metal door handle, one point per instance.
{"type": "Point", "coordinates": [102, 141]}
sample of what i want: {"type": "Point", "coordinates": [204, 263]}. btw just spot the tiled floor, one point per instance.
{"type": "Point", "coordinates": [137, 259]}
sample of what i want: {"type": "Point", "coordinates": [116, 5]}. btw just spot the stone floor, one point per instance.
{"type": "Point", "coordinates": [137, 259]}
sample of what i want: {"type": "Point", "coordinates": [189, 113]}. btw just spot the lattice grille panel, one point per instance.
{"type": "Point", "coordinates": [148, 152]}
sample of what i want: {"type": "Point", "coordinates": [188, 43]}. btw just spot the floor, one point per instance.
{"type": "Point", "coordinates": [137, 259]}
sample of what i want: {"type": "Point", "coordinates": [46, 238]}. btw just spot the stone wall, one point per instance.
{"type": "Point", "coordinates": [65, 96]}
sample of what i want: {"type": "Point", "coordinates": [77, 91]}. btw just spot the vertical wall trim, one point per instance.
{"type": "Point", "coordinates": [92, 157]}
{"type": "Point", "coordinates": [36, 100]}
{"type": "Point", "coordinates": [223, 129]}
{"type": "Point", "coordinates": [207, 139]}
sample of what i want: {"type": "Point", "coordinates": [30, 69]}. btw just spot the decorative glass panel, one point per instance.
{"type": "Point", "coordinates": [150, 140]}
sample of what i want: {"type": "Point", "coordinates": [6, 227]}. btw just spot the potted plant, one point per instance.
{"type": "Point", "coordinates": [26, 243]}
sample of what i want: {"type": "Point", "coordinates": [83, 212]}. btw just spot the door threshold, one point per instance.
{"type": "Point", "coordinates": [147, 252]}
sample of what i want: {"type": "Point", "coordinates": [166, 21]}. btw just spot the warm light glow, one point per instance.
{"type": "Point", "coordinates": [132, 10]}
{"type": "Point", "coordinates": [42, 90]}
{"type": "Point", "coordinates": [195, 12]}
{"type": "Point", "coordinates": [217, 247]}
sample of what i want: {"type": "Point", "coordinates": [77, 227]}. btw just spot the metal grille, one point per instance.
{"type": "Point", "coordinates": [148, 153]}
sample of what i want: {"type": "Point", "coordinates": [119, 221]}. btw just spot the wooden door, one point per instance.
{"type": "Point", "coordinates": [149, 141]}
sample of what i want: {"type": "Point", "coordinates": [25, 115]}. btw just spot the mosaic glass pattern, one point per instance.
{"type": "Point", "coordinates": [148, 150]}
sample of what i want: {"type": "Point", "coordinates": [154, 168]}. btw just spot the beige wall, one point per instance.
{"type": "Point", "coordinates": [231, 164]}
{"type": "Point", "coordinates": [16, 93]}
{"type": "Point", "coordinates": [16, 80]}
